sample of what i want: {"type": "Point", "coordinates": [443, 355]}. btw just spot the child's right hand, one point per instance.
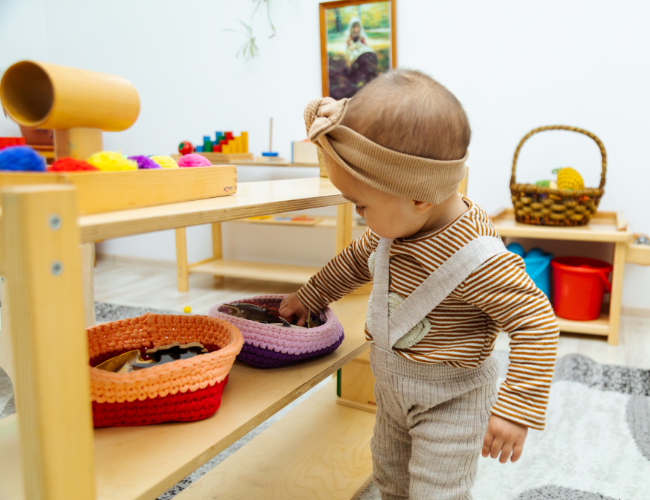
{"type": "Point", "coordinates": [290, 306]}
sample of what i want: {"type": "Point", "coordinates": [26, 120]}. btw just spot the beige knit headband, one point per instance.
{"type": "Point", "coordinates": [396, 173]}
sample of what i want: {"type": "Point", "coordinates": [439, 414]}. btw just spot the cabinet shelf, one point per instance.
{"type": "Point", "coordinates": [143, 462]}
{"type": "Point", "coordinates": [281, 273]}
{"type": "Point", "coordinates": [252, 199]}
{"type": "Point", "coordinates": [598, 326]}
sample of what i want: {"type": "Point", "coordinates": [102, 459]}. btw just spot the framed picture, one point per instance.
{"type": "Point", "coordinates": [357, 44]}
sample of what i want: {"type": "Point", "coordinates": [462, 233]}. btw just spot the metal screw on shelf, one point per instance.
{"type": "Point", "coordinates": [55, 222]}
{"type": "Point", "coordinates": [57, 268]}
{"type": "Point", "coordinates": [642, 240]}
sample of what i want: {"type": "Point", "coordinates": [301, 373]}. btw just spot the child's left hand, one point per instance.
{"type": "Point", "coordinates": [504, 437]}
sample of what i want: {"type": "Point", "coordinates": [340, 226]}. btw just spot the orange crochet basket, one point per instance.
{"type": "Point", "coordinates": [181, 391]}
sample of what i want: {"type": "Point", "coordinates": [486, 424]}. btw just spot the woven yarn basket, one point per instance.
{"type": "Point", "coordinates": [184, 390]}
{"type": "Point", "coordinates": [269, 346]}
{"type": "Point", "coordinates": [556, 207]}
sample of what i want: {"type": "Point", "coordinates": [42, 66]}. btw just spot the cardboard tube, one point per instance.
{"type": "Point", "coordinates": [49, 96]}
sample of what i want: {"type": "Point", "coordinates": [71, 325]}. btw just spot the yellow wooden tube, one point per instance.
{"type": "Point", "coordinates": [44, 95]}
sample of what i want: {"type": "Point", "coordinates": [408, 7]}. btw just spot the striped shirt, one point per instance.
{"type": "Point", "coordinates": [499, 295]}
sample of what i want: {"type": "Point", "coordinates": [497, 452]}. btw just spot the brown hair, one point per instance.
{"type": "Point", "coordinates": [410, 112]}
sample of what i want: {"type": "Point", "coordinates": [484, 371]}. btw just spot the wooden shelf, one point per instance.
{"type": "Point", "coordinates": [275, 164]}
{"type": "Point", "coordinates": [143, 462]}
{"type": "Point", "coordinates": [283, 273]}
{"type": "Point", "coordinates": [325, 221]}
{"type": "Point", "coordinates": [604, 227]}
{"type": "Point", "coordinates": [252, 199]}
{"type": "Point", "coordinates": [319, 450]}
{"type": "Point", "coordinates": [598, 326]}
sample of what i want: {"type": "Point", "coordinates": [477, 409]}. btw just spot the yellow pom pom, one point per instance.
{"type": "Point", "coordinates": [164, 161]}
{"type": "Point", "coordinates": [109, 161]}
{"type": "Point", "coordinates": [569, 178]}
{"type": "Point", "coordinates": [187, 309]}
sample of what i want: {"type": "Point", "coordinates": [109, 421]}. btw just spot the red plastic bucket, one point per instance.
{"type": "Point", "coordinates": [579, 284]}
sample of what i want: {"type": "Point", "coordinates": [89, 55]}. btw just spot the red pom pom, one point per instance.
{"type": "Point", "coordinates": [71, 165]}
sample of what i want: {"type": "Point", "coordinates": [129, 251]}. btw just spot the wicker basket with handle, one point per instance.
{"type": "Point", "coordinates": [556, 207]}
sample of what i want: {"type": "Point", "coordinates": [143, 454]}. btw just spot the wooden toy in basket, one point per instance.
{"type": "Point", "coordinates": [547, 206]}
{"type": "Point", "coordinates": [270, 346]}
{"type": "Point", "coordinates": [180, 391]}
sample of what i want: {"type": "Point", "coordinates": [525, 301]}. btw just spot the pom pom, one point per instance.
{"type": "Point", "coordinates": [21, 159]}
{"type": "Point", "coordinates": [71, 165]}
{"type": "Point", "coordinates": [144, 162]}
{"type": "Point", "coordinates": [193, 160]}
{"type": "Point", "coordinates": [108, 161]}
{"type": "Point", "coordinates": [164, 161]}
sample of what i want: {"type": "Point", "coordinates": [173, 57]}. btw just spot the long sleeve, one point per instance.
{"type": "Point", "coordinates": [342, 275]}
{"type": "Point", "coordinates": [503, 290]}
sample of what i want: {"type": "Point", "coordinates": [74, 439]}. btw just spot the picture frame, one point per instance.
{"type": "Point", "coordinates": [358, 41]}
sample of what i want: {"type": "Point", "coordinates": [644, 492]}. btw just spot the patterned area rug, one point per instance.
{"type": "Point", "coordinates": [596, 446]}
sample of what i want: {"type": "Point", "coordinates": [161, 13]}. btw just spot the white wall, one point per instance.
{"type": "Point", "coordinates": [514, 65]}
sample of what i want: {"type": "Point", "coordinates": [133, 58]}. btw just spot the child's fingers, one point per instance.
{"type": "Point", "coordinates": [497, 444]}
{"type": "Point", "coordinates": [517, 451]}
{"type": "Point", "coordinates": [487, 443]}
{"type": "Point", "coordinates": [505, 453]}
{"type": "Point", "coordinates": [302, 320]}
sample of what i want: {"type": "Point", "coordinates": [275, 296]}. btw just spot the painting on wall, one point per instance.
{"type": "Point", "coordinates": [357, 40]}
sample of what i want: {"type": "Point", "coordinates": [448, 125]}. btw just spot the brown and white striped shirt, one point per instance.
{"type": "Point", "coordinates": [497, 296]}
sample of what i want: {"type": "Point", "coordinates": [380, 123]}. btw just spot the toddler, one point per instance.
{"type": "Point", "coordinates": [443, 287]}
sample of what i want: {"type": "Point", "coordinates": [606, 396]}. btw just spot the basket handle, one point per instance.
{"type": "Point", "coordinates": [562, 127]}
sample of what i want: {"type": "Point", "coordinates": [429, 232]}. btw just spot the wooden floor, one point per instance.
{"type": "Point", "coordinates": [153, 284]}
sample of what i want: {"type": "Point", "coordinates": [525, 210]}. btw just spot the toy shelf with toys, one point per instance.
{"type": "Point", "coordinates": [604, 227]}
{"type": "Point", "coordinates": [50, 448]}
{"type": "Point", "coordinates": [142, 462]}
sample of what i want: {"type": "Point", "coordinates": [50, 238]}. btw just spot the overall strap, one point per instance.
{"type": "Point", "coordinates": [380, 284]}
{"type": "Point", "coordinates": [435, 288]}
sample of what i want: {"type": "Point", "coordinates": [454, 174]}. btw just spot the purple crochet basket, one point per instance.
{"type": "Point", "coordinates": [269, 346]}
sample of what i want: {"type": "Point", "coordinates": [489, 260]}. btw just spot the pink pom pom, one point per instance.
{"type": "Point", "coordinates": [193, 160]}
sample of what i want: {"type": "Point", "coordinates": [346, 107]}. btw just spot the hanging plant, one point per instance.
{"type": "Point", "coordinates": [250, 48]}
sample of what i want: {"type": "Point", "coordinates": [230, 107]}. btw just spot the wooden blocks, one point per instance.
{"type": "Point", "coordinates": [99, 192]}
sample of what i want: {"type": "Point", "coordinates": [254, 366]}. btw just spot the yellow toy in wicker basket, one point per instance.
{"type": "Point", "coordinates": [550, 206]}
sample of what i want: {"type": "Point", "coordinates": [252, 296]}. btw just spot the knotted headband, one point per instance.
{"type": "Point", "coordinates": [392, 172]}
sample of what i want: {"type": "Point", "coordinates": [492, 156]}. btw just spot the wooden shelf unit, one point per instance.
{"type": "Point", "coordinates": [54, 453]}
{"type": "Point", "coordinates": [604, 227]}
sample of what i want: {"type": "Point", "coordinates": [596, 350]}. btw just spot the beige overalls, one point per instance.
{"type": "Point", "coordinates": [431, 418]}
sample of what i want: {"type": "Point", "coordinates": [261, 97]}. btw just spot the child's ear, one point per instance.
{"type": "Point", "coordinates": [421, 207]}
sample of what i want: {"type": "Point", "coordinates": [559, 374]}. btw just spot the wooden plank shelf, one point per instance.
{"type": "Point", "coordinates": [319, 450]}
{"type": "Point", "coordinates": [598, 326]}
{"type": "Point", "coordinates": [281, 273]}
{"type": "Point", "coordinates": [142, 462]}
{"type": "Point", "coordinates": [604, 227]}
{"type": "Point", "coordinates": [252, 199]}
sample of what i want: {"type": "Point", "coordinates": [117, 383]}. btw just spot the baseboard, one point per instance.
{"type": "Point", "coordinates": [637, 312]}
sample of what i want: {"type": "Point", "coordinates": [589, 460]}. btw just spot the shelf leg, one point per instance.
{"type": "Point", "coordinates": [217, 244]}
{"type": "Point", "coordinates": [181, 261]}
{"type": "Point", "coordinates": [620, 249]}
{"type": "Point", "coordinates": [88, 271]}
{"type": "Point", "coordinates": [49, 342]}
{"type": "Point", "coordinates": [6, 348]}
{"type": "Point", "coordinates": [343, 226]}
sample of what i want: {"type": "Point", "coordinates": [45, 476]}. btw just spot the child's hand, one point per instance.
{"type": "Point", "coordinates": [290, 306]}
{"type": "Point", "coordinates": [504, 437]}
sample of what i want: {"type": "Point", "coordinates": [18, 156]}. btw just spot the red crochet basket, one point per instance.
{"type": "Point", "coordinates": [181, 391]}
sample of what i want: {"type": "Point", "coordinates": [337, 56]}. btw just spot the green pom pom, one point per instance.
{"type": "Point", "coordinates": [544, 183]}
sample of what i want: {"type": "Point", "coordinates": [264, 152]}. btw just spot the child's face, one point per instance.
{"type": "Point", "coordinates": [356, 29]}
{"type": "Point", "coordinates": [387, 215]}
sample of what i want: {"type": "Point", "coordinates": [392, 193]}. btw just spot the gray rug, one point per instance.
{"type": "Point", "coordinates": [596, 445]}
